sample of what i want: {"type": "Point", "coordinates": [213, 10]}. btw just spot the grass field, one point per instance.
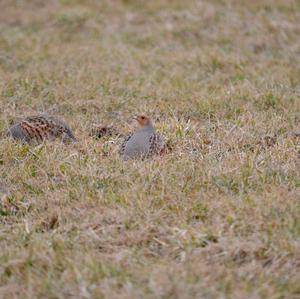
{"type": "Point", "coordinates": [218, 216]}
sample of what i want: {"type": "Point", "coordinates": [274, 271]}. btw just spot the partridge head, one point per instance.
{"type": "Point", "coordinates": [143, 120]}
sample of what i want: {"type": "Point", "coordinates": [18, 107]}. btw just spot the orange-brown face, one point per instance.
{"type": "Point", "coordinates": [143, 120]}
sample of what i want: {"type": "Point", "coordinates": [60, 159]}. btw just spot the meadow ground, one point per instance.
{"type": "Point", "coordinates": [217, 217]}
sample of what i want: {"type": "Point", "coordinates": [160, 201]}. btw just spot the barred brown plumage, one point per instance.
{"type": "Point", "coordinates": [41, 127]}
{"type": "Point", "coordinates": [143, 143]}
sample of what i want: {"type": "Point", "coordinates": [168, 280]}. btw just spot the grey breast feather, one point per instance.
{"type": "Point", "coordinates": [138, 144]}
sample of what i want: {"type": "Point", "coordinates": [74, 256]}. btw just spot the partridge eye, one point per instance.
{"type": "Point", "coordinates": [143, 117]}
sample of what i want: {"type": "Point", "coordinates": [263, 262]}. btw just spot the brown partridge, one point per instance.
{"type": "Point", "coordinates": [144, 142]}
{"type": "Point", "coordinates": [41, 127]}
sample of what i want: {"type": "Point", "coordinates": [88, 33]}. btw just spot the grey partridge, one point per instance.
{"type": "Point", "coordinates": [41, 127]}
{"type": "Point", "coordinates": [144, 142]}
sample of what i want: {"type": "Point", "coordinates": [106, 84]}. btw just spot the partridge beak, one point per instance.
{"type": "Point", "coordinates": [135, 117]}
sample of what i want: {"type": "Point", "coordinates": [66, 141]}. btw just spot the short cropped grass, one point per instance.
{"type": "Point", "coordinates": [218, 216]}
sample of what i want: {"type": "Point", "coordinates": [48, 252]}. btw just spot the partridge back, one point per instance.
{"type": "Point", "coordinates": [40, 128]}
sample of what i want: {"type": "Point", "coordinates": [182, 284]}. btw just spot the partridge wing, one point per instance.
{"type": "Point", "coordinates": [123, 145]}
{"type": "Point", "coordinates": [157, 144]}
